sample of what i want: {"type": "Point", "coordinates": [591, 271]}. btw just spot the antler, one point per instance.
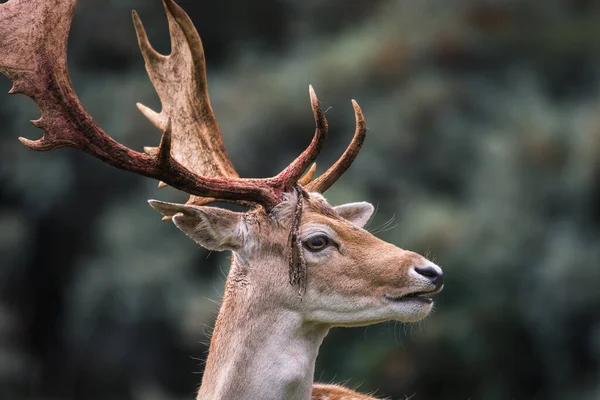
{"type": "Point", "coordinates": [180, 81]}
{"type": "Point", "coordinates": [191, 156]}
{"type": "Point", "coordinates": [329, 177]}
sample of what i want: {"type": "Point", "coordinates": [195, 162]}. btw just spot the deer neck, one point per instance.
{"type": "Point", "coordinates": [259, 350]}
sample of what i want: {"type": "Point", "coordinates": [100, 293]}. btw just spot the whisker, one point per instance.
{"type": "Point", "coordinates": [372, 216]}
{"type": "Point", "coordinates": [384, 225]}
{"type": "Point", "coordinates": [388, 228]}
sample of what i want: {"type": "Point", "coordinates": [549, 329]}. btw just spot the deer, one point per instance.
{"type": "Point", "coordinates": [299, 265]}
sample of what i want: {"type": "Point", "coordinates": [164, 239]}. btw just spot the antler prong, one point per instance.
{"type": "Point", "coordinates": [150, 55]}
{"type": "Point", "coordinates": [46, 142]}
{"type": "Point", "coordinates": [163, 157]}
{"type": "Point", "coordinates": [329, 177]}
{"type": "Point", "coordinates": [16, 88]}
{"type": "Point", "coordinates": [308, 175]}
{"type": "Point", "coordinates": [186, 25]}
{"type": "Point", "coordinates": [153, 151]}
{"type": "Point", "coordinates": [157, 119]}
{"type": "Point", "coordinates": [32, 144]}
{"type": "Point", "coordinates": [290, 175]}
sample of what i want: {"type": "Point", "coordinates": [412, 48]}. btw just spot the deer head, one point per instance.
{"type": "Point", "coordinates": [352, 277]}
{"type": "Point", "coordinates": [295, 250]}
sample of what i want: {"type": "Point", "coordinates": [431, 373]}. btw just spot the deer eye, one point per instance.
{"type": "Point", "coordinates": [316, 243]}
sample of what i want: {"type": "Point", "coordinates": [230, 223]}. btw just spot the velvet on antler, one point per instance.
{"type": "Point", "coordinates": [191, 156]}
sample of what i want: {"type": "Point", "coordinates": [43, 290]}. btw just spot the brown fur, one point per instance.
{"type": "Point", "coordinates": [322, 391]}
{"type": "Point", "coordinates": [362, 267]}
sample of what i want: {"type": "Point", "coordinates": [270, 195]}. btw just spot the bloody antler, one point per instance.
{"type": "Point", "coordinates": [191, 156]}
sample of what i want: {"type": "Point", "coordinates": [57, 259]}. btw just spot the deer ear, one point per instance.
{"type": "Point", "coordinates": [213, 228]}
{"type": "Point", "coordinates": [357, 213]}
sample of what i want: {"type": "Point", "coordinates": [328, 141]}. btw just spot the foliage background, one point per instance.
{"type": "Point", "coordinates": [484, 144]}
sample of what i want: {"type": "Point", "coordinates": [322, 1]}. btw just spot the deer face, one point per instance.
{"type": "Point", "coordinates": [353, 278]}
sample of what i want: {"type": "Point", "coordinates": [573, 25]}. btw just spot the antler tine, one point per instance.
{"type": "Point", "coordinates": [307, 178]}
{"type": "Point", "coordinates": [287, 178]}
{"type": "Point", "coordinates": [146, 48]}
{"type": "Point", "coordinates": [329, 177]}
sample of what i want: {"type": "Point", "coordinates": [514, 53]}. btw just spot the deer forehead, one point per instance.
{"type": "Point", "coordinates": [317, 212]}
{"type": "Point", "coordinates": [337, 229]}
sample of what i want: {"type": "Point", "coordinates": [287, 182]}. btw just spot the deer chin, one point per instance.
{"type": "Point", "coordinates": [353, 311]}
{"type": "Point", "coordinates": [412, 306]}
{"type": "Point", "coordinates": [410, 310]}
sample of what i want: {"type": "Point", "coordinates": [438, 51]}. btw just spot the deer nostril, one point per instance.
{"type": "Point", "coordinates": [436, 276]}
{"type": "Point", "coordinates": [428, 272]}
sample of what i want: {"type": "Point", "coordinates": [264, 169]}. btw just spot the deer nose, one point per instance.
{"type": "Point", "coordinates": [435, 275]}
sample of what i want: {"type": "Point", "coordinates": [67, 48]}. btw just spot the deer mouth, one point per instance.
{"type": "Point", "coordinates": [421, 296]}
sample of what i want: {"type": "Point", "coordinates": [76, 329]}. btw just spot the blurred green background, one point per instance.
{"type": "Point", "coordinates": [483, 145]}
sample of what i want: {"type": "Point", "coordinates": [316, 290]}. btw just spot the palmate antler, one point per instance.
{"type": "Point", "coordinates": [191, 155]}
